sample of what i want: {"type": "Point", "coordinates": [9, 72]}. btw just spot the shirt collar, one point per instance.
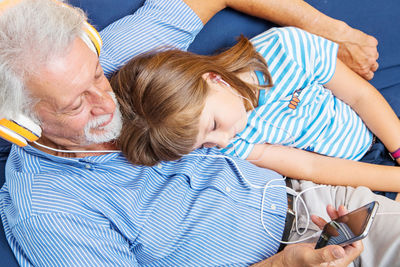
{"type": "Point", "coordinates": [92, 159]}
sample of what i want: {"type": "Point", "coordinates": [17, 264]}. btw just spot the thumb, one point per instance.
{"type": "Point", "coordinates": [326, 254]}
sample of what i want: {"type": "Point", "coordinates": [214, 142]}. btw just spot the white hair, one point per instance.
{"type": "Point", "coordinates": [31, 33]}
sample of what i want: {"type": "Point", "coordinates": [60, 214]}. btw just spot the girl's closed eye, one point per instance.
{"type": "Point", "coordinates": [214, 126]}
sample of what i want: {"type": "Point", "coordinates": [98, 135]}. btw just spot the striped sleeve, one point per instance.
{"type": "Point", "coordinates": [57, 239]}
{"type": "Point", "coordinates": [158, 23]}
{"type": "Point", "coordinates": [316, 55]}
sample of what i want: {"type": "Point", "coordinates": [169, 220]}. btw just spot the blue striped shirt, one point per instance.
{"type": "Point", "coordinates": [299, 111]}
{"type": "Point", "coordinates": [169, 23]}
{"type": "Point", "coordinates": [103, 211]}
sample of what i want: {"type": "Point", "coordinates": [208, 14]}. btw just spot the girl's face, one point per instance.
{"type": "Point", "coordinates": [224, 115]}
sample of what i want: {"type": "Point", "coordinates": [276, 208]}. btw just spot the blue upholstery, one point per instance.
{"type": "Point", "coordinates": [6, 255]}
{"type": "Point", "coordinates": [373, 17]}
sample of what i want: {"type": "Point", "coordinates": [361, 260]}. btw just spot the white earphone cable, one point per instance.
{"type": "Point", "coordinates": [76, 151]}
{"type": "Point", "coordinates": [265, 187]}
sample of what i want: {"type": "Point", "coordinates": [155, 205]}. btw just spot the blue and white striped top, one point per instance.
{"type": "Point", "coordinates": [103, 211]}
{"type": "Point", "coordinates": [298, 111]}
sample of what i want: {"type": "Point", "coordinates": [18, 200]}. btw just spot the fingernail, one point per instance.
{"type": "Point", "coordinates": [338, 253]}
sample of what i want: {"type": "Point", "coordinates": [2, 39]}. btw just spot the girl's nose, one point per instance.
{"type": "Point", "coordinates": [224, 140]}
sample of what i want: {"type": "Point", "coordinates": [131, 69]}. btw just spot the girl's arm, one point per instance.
{"type": "Point", "coordinates": [368, 103]}
{"type": "Point", "coordinates": [305, 165]}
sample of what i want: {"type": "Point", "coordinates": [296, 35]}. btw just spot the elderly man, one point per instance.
{"type": "Point", "coordinates": [86, 205]}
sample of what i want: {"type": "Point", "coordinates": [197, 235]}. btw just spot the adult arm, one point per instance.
{"type": "Point", "coordinates": [357, 49]}
{"type": "Point", "coordinates": [369, 104]}
{"type": "Point", "coordinates": [303, 255]}
{"type": "Point", "coordinates": [305, 165]}
{"type": "Point", "coordinates": [174, 24]}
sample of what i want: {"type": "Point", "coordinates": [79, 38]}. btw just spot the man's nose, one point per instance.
{"type": "Point", "coordinates": [104, 104]}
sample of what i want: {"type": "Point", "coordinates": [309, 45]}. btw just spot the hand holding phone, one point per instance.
{"type": "Point", "coordinates": [348, 228]}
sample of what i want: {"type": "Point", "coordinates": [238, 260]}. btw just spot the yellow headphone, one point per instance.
{"type": "Point", "coordinates": [22, 129]}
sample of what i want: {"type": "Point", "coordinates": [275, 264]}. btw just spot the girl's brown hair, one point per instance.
{"type": "Point", "coordinates": [162, 95]}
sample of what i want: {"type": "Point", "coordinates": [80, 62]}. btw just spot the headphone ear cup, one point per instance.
{"type": "Point", "coordinates": [19, 131]}
{"type": "Point", "coordinates": [12, 137]}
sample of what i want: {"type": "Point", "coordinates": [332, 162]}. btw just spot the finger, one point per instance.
{"type": "Point", "coordinates": [365, 73]}
{"type": "Point", "coordinates": [337, 252]}
{"type": "Point", "coordinates": [354, 249]}
{"type": "Point", "coordinates": [358, 245]}
{"type": "Point", "coordinates": [342, 210]}
{"type": "Point", "coordinates": [318, 221]}
{"type": "Point", "coordinates": [371, 41]}
{"type": "Point", "coordinates": [376, 55]}
{"type": "Point", "coordinates": [325, 255]}
{"type": "Point", "coordinates": [374, 66]}
{"type": "Point", "coordinates": [368, 76]}
{"type": "Point", "coordinates": [332, 212]}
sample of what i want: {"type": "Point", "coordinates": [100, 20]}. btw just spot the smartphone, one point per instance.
{"type": "Point", "coordinates": [348, 228]}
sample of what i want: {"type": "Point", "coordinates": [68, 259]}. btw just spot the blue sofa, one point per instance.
{"type": "Point", "coordinates": [373, 17]}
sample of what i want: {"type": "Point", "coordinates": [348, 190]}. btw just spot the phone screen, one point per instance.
{"type": "Point", "coordinates": [348, 228]}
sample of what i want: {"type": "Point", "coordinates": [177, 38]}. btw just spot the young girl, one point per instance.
{"type": "Point", "coordinates": [289, 117]}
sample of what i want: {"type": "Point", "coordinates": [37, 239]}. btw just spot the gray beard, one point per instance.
{"type": "Point", "coordinates": [109, 132]}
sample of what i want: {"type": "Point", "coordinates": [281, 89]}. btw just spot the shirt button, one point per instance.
{"type": "Point", "coordinates": [273, 207]}
{"type": "Point", "coordinates": [88, 166]}
{"type": "Point", "coordinates": [228, 189]}
{"type": "Point", "coordinates": [159, 166]}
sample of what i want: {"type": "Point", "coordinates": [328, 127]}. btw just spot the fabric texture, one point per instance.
{"type": "Point", "coordinates": [156, 24]}
{"type": "Point", "coordinates": [102, 210]}
{"type": "Point", "coordinates": [202, 210]}
{"type": "Point", "coordinates": [372, 17]}
{"type": "Point", "coordinates": [381, 246]}
{"type": "Point", "coordinates": [132, 35]}
{"type": "Point", "coordinates": [298, 110]}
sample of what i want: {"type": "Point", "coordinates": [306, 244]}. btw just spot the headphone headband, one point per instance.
{"type": "Point", "coordinates": [94, 36]}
